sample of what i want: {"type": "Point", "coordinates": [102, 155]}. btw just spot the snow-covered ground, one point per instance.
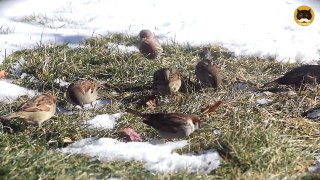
{"type": "Point", "coordinates": [247, 27]}
{"type": "Point", "coordinates": [263, 28]}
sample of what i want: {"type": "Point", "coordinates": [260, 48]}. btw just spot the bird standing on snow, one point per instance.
{"type": "Point", "coordinates": [208, 74]}
{"type": "Point", "coordinates": [167, 80]}
{"type": "Point", "coordinates": [306, 74]}
{"type": "Point", "coordinates": [36, 110]}
{"type": "Point", "coordinates": [82, 92]}
{"type": "Point", "coordinates": [149, 45]}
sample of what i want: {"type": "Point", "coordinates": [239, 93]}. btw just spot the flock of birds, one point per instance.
{"type": "Point", "coordinates": [166, 80]}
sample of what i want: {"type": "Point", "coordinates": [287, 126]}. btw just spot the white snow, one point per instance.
{"type": "Point", "coordinates": [104, 121]}
{"type": "Point", "coordinates": [164, 160]}
{"type": "Point", "coordinates": [263, 101]}
{"type": "Point", "coordinates": [262, 28]}
{"type": "Point", "coordinates": [10, 92]}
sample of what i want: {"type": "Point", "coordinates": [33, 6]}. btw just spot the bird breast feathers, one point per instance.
{"type": "Point", "coordinates": [87, 87]}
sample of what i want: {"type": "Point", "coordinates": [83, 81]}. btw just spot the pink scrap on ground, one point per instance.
{"type": "Point", "coordinates": [131, 135]}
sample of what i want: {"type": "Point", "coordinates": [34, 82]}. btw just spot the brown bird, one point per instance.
{"type": "Point", "coordinates": [306, 74]}
{"type": "Point", "coordinates": [170, 125]}
{"type": "Point", "coordinates": [208, 74]}
{"type": "Point", "coordinates": [167, 80]}
{"type": "Point", "coordinates": [149, 45]}
{"type": "Point", "coordinates": [36, 110]}
{"type": "Point", "coordinates": [82, 92]}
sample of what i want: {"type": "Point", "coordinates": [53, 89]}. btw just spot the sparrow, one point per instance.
{"type": "Point", "coordinates": [170, 125]}
{"type": "Point", "coordinates": [149, 45]}
{"type": "Point", "coordinates": [36, 110]}
{"type": "Point", "coordinates": [306, 74]}
{"type": "Point", "coordinates": [208, 74]}
{"type": "Point", "coordinates": [167, 80]}
{"type": "Point", "coordinates": [205, 53]}
{"type": "Point", "coordinates": [82, 92]}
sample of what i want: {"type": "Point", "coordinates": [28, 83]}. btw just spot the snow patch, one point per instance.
{"type": "Point", "coordinates": [264, 101]}
{"type": "Point", "coordinates": [10, 92]}
{"type": "Point", "coordinates": [104, 121]}
{"type": "Point", "coordinates": [165, 160]}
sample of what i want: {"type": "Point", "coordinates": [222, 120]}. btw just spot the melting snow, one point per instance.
{"type": "Point", "coordinates": [155, 157]}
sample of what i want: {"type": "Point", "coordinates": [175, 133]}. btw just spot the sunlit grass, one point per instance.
{"type": "Point", "coordinates": [256, 141]}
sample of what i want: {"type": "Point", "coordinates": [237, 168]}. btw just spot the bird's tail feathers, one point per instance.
{"type": "Point", "coordinates": [275, 82]}
{"type": "Point", "coordinates": [134, 112]}
{"type": "Point", "coordinates": [10, 116]}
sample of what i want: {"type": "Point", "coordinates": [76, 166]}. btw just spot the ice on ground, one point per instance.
{"type": "Point", "coordinates": [104, 121]}
{"type": "Point", "coordinates": [164, 160]}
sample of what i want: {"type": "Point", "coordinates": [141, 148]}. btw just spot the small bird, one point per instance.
{"type": "Point", "coordinates": [149, 45]}
{"type": "Point", "coordinates": [208, 74]}
{"type": "Point", "coordinates": [167, 80]}
{"type": "Point", "coordinates": [306, 74]}
{"type": "Point", "coordinates": [205, 53]}
{"type": "Point", "coordinates": [36, 110]}
{"type": "Point", "coordinates": [82, 92]}
{"type": "Point", "coordinates": [170, 125]}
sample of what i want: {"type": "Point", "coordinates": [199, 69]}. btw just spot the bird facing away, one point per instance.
{"type": "Point", "coordinates": [36, 110]}
{"type": "Point", "coordinates": [167, 80]}
{"type": "Point", "coordinates": [149, 45]}
{"type": "Point", "coordinates": [82, 92]}
{"type": "Point", "coordinates": [208, 74]}
{"type": "Point", "coordinates": [205, 53]}
{"type": "Point", "coordinates": [306, 74]}
{"type": "Point", "coordinates": [170, 125]}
